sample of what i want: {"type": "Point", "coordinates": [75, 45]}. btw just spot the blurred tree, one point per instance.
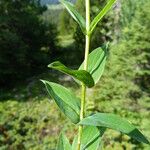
{"type": "Point", "coordinates": [26, 41]}
{"type": "Point", "coordinates": [127, 76]}
{"type": "Point", "coordinates": [136, 35]}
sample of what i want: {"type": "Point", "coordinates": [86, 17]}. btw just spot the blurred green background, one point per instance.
{"type": "Point", "coordinates": [34, 33]}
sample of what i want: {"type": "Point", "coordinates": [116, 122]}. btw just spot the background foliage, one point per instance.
{"type": "Point", "coordinates": [29, 42]}
{"type": "Point", "coordinates": [26, 41]}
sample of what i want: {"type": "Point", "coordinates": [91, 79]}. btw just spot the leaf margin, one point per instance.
{"type": "Point", "coordinates": [75, 15]}
{"type": "Point", "coordinates": [75, 107]}
{"type": "Point", "coordinates": [101, 14]}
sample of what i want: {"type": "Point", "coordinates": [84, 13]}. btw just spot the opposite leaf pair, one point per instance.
{"type": "Point", "coordinates": [96, 61]}
{"type": "Point", "coordinates": [81, 21]}
{"type": "Point", "coordinates": [95, 127]}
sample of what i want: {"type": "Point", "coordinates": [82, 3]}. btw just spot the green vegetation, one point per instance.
{"type": "Point", "coordinates": [26, 41]}
{"type": "Point", "coordinates": [29, 121]}
{"type": "Point", "coordinates": [89, 73]}
{"type": "Point", "coordinates": [31, 124]}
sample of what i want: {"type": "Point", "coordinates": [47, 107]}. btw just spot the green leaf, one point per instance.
{"type": "Point", "coordinates": [76, 16]}
{"type": "Point", "coordinates": [101, 15]}
{"type": "Point", "coordinates": [114, 122]}
{"type": "Point", "coordinates": [68, 103]}
{"type": "Point", "coordinates": [96, 62]}
{"type": "Point", "coordinates": [91, 138]}
{"type": "Point", "coordinates": [81, 75]}
{"type": "Point", "coordinates": [63, 143]}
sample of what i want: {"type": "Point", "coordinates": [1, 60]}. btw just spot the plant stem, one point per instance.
{"type": "Point", "coordinates": [83, 92]}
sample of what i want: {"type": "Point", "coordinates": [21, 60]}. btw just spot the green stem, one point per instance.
{"type": "Point", "coordinates": [83, 92]}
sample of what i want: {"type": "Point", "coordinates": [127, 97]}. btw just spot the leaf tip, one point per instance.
{"type": "Point", "coordinates": [49, 66]}
{"type": "Point", "coordinates": [43, 81]}
{"type": "Point", "coordinates": [146, 141]}
{"type": "Point", "coordinates": [54, 64]}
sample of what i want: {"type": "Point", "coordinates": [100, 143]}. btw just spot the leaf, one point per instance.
{"type": "Point", "coordinates": [63, 143]}
{"type": "Point", "coordinates": [68, 103]}
{"type": "Point", "coordinates": [91, 138]}
{"type": "Point", "coordinates": [114, 122]}
{"type": "Point", "coordinates": [96, 62]}
{"type": "Point", "coordinates": [101, 15]}
{"type": "Point", "coordinates": [81, 75]}
{"type": "Point", "coordinates": [76, 16]}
